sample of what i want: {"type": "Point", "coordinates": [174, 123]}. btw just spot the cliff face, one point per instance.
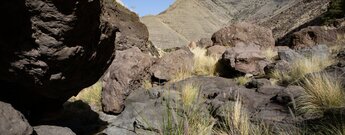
{"type": "Point", "coordinates": [190, 20]}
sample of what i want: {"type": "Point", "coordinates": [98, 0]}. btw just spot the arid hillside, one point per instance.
{"type": "Point", "coordinates": [190, 20]}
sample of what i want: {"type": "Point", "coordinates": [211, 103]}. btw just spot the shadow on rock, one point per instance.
{"type": "Point", "coordinates": [78, 116]}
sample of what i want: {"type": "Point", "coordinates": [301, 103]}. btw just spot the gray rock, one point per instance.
{"type": "Point", "coordinates": [53, 130]}
{"type": "Point", "coordinates": [125, 74]}
{"type": "Point", "coordinates": [145, 113]}
{"type": "Point", "coordinates": [287, 54]}
{"type": "Point", "coordinates": [321, 51]}
{"type": "Point", "coordinates": [12, 122]}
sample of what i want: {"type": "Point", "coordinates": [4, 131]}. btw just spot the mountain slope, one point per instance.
{"type": "Point", "coordinates": [190, 20]}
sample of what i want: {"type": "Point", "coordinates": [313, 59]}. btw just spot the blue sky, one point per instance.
{"type": "Point", "coordinates": [147, 7]}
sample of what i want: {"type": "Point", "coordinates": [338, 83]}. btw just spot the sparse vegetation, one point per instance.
{"type": "Point", "coordinates": [203, 65]}
{"type": "Point", "coordinates": [91, 95]}
{"type": "Point", "coordinates": [335, 10]}
{"type": "Point", "coordinates": [301, 67]}
{"type": "Point", "coordinates": [242, 80]}
{"type": "Point", "coordinates": [270, 54]}
{"type": "Point", "coordinates": [236, 122]}
{"type": "Point", "coordinates": [321, 92]}
{"type": "Point", "coordinates": [194, 119]}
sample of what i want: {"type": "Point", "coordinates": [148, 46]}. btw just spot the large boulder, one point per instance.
{"type": "Point", "coordinates": [53, 130]}
{"type": "Point", "coordinates": [50, 50]}
{"type": "Point", "coordinates": [167, 67]}
{"type": "Point", "coordinates": [126, 73]}
{"type": "Point", "coordinates": [315, 35]}
{"type": "Point", "coordinates": [244, 59]}
{"type": "Point", "coordinates": [244, 33]}
{"type": "Point", "coordinates": [13, 122]}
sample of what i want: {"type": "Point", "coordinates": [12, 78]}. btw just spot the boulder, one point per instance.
{"type": "Point", "coordinates": [126, 73]}
{"type": "Point", "coordinates": [204, 43]}
{"type": "Point", "coordinates": [50, 50]}
{"type": "Point", "coordinates": [172, 63]}
{"type": "Point", "coordinates": [53, 130]}
{"type": "Point", "coordinates": [245, 59]}
{"type": "Point", "coordinates": [315, 35]}
{"type": "Point", "coordinates": [216, 51]}
{"type": "Point", "coordinates": [12, 122]}
{"type": "Point", "coordinates": [244, 33]}
{"type": "Point", "coordinates": [287, 54]}
{"type": "Point", "coordinates": [321, 51]}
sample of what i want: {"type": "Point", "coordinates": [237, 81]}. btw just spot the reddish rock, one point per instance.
{"type": "Point", "coordinates": [216, 51]}
{"type": "Point", "coordinates": [125, 74]}
{"type": "Point", "coordinates": [245, 59]}
{"type": "Point", "coordinates": [244, 33]}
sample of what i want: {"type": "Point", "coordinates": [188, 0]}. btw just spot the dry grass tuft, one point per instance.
{"type": "Point", "coordinates": [91, 95]}
{"type": "Point", "coordinates": [242, 80]}
{"type": "Point", "coordinates": [321, 92]}
{"type": "Point", "coordinates": [270, 53]}
{"type": "Point", "coordinates": [195, 119]}
{"type": "Point", "coordinates": [301, 67]}
{"type": "Point", "coordinates": [147, 84]}
{"type": "Point", "coordinates": [203, 64]}
{"type": "Point", "coordinates": [181, 75]}
{"type": "Point", "coordinates": [237, 122]}
{"type": "Point", "coordinates": [189, 94]}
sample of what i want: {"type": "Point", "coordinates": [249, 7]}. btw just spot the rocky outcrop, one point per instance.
{"type": "Point", "coordinates": [13, 122]}
{"type": "Point", "coordinates": [244, 34]}
{"type": "Point", "coordinates": [190, 20]}
{"type": "Point", "coordinates": [53, 130]}
{"type": "Point", "coordinates": [244, 60]}
{"type": "Point", "coordinates": [167, 67]}
{"type": "Point", "coordinates": [146, 111]}
{"type": "Point", "coordinates": [126, 73]}
{"type": "Point", "coordinates": [315, 35]}
{"type": "Point", "coordinates": [50, 50]}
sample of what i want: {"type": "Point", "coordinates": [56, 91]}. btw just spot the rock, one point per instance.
{"type": "Point", "coordinates": [280, 65]}
{"type": "Point", "coordinates": [131, 32]}
{"type": "Point", "coordinates": [48, 48]}
{"type": "Point", "coordinates": [287, 54]}
{"type": "Point", "coordinates": [53, 130]}
{"type": "Point", "coordinates": [192, 45]}
{"type": "Point", "coordinates": [244, 33]}
{"type": "Point", "coordinates": [171, 63]}
{"type": "Point", "coordinates": [216, 51]}
{"type": "Point", "coordinates": [12, 122]}
{"type": "Point", "coordinates": [315, 35]}
{"type": "Point", "coordinates": [245, 59]}
{"type": "Point", "coordinates": [321, 51]}
{"type": "Point", "coordinates": [146, 111]}
{"type": "Point", "coordinates": [125, 74]}
{"type": "Point", "coordinates": [204, 43]}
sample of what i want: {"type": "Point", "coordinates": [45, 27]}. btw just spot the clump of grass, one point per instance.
{"type": "Point", "coordinates": [147, 84]}
{"type": "Point", "coordinates": [321, 92]}
{"type": "Point", "coordinates": [189, 95]}
{"type": "Point", "coordinates": [181, 75]}
{"type": "Point", "coordinates": [237, 122]}
{"type": "Point", "coordinates": [242, 80]}
{"type": "Point", "coordinates": [91, 95]}
{"type": "Point", "coordinates": [195, 120]}
{"type": "Point", "coordinates": [270, 53]}
{"type": "Point", "coordinates": [301, 67]}
{"type": "Point", "coordinates": [203, 64]}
